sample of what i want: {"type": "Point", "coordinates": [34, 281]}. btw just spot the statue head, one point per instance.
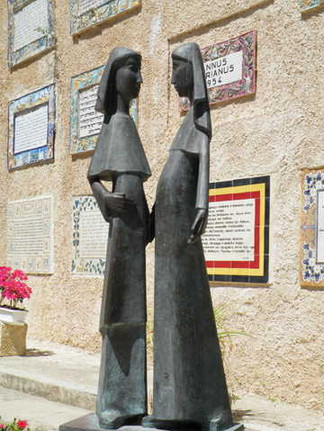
{"type": "Point", "coordinates": [188, 77]}
{"type": "Point", "coordinates": [122, 76]}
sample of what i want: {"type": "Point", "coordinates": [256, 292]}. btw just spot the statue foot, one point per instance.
{"type": "Point", "coordinates": [170, 424]}
{"type": "Point", "coordinates": [113, 419]}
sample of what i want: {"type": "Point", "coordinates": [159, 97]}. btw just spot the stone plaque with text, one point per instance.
{"type": "Point", "coordinates": [312, 229]}
{"type": "Point", "coordinates": [237, 234]}
{"type": "Point", "coordinates": [30, 240]}
{"type": "Point", "coordinates": [89, 237]}
{"type": "Point", "coordinates": [31, 29]}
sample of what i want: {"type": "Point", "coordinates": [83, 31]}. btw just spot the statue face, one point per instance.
{"type": "Point", "coordinates": [182, 77]}
{"type": "Point", "coordinates": [129, 78]}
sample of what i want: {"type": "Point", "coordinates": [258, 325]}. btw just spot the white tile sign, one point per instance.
{"type": "Point", "coordinates": [224, 70]}
{"type": "Point", "coordinates": [230, 232]}
{"type": "Point", "coordinates": [90, 121]}
{"type": "Point", "coordinates": [30, 23]}
{"type": "Point", "coordinates": [31, 129]}
{"type": "Point", "coordinates": [93, 234]}
{"type": "Point", "coordinates": [85, 5]}
{"type": "Point", "coordinates": [30, 241]}
{"type": "Point", "coordinates": [320, 227]}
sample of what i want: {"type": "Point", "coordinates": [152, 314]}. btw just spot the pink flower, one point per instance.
{"type": "Point", "coordinates": [2, 426]}
{"type": "Point", "coordinates": [22, 424]}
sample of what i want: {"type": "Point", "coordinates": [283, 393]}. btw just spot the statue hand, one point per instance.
{"type": "Point", "coordinates": [199, 225]}
{"type": "Point", "coordinates": [117, 204]}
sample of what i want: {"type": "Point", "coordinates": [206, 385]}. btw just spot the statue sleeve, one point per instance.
{"type": "Point", "coordinates": [202, 197]}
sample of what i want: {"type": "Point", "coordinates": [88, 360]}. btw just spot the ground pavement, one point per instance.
{"type": "Point", "coordinates": [54, 384]}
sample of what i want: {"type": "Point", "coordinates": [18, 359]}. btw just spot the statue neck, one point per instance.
{"type": "Point", "coordinates": [122, 105]}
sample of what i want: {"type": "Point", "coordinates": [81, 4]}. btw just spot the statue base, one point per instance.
{"type": "Point", "coordinates": [90, 423]}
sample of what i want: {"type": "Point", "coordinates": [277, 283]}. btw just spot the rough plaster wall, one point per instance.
{"type": "Point", "coordinates": [269, 134]}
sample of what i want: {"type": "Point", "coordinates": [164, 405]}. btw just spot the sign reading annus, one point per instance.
{"type": "Point", "coordinates": [224, 70]}
{"type": "Point", "coordinates": [230, 69]}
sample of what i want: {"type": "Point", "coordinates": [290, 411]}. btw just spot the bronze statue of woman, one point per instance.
{"type": "Point", "coordinates": [120, 159]}
{"type": "Point", "coordinates": [190, 389]}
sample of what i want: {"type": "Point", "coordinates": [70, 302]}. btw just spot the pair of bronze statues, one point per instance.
{"type": "Point", "coordinates": [189, 382]}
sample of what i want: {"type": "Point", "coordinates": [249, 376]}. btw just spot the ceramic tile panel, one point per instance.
{"type": "Point", "coordinates": [32, 128]}
{"type": "Point", "coordinates": [312, 229]}
{"type": "Point", "coordinates": [309, 5]}
{"type": "Point", "coordinates": [85, 122]}
{"type": "Point", "coordinates": [86, 14]}
{"type": "Point", "coordinates": [30, 29]}
{"type": "Point", "coordinates": [89, 237]}
{"type": "Point", "coordinates": [230, 69]}
{"type": "Point", "coordinates": [236, 241]}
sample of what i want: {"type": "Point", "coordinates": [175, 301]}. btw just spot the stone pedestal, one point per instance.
{"type": "Point", "coordinates": [13, 339]}
{"type": "Point", "coordinates": [90, 423]}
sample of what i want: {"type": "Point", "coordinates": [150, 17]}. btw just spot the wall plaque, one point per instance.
{"type": "Point", "coordinates": [312, 229]}
{"type": "Point", "coordinates": [88, 13]}
{"type": "Point", "coordinates": [236, 241]}
{"type": "Point", "coordinates": [90, 235]}
{"type": "Point", "coordinates": [31, 29]}
{"type": "Point", "coordinates": [309, 5]}
{"type": "Point", "coordinates": [30, 239]}
{"type": "Point", "coordinates": [230, 69]}
{"type": "Point", "coordinates": [32, 128]}
{"type": "Point", "coordinates": [85, 121]}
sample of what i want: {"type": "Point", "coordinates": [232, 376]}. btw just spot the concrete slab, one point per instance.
{"type": "Point", "coordinates": [55, 372]}
{"type": "Point", "coordinates": [41, 414]}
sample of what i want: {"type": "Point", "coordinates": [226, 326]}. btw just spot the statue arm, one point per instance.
{"type": "Point", "coordinates": [202, 197]}
{"type": "Point", "coordinates": [111, 204]}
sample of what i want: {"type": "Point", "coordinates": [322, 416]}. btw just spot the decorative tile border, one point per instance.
{"type": "Point", "coordinates": [312, 228]}
{"type": "Point", "coordinates": [230, 69]}
{"type": "Point", "coordinates": [236, 241]}
{"type": "Point", "coordinates": [30, 238]}
{"type": "Point", "coordinates": [308, 5]}
{"type": "Point", "coordinates": [79, 84]}
{"type": "Point", "coordinates": [35, 43]}
{"type": "Point", "coordinates": [82, 17]}
{"type": "Point", "coordinates": [26, 105]}
{"type": "Point", "coordinates": [89, 237]}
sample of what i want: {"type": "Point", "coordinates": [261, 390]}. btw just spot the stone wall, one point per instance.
{"type": "Point", "coordinates": [277, 132]}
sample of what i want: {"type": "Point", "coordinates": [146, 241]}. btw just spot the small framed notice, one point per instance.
{"type": "Point", "coordinates": [85, 121]}
{"type": "Point", "coordinates": [32, 128]}
{"type": "Point", "coordinates": [30, 240]}
{"type": "Point", "coordinates": [309, 5]}
{"type": "Point", "coordinates": [89, 13]}
{"type": "Point", "coordinates": [230, 69]}
{"type": "Point", "coordinates": [312, 229]}
{"type": "Point", "coordinates": [89, 237]}
{"type": "Point", "coordinates": [236, 241]}
{"type": "Point", "coordinates": [31, 29]}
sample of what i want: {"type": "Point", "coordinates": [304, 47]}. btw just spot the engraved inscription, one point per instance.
{"type": "Point", "coordinates": [31, 129]}
{"type": "Point", "coordinates": [90, 121]}
{"type": "Point", "coordinates": [30, 23]}
{"type": "Point", "coordinates": [230, 232]}
{"type": "Point", "coordinates": [30, 234]}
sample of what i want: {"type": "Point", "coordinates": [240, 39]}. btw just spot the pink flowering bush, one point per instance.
{"type": "Point", "coordinates": [16, 425]}
{"type": "Point", "coordinates": [13, 289]}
